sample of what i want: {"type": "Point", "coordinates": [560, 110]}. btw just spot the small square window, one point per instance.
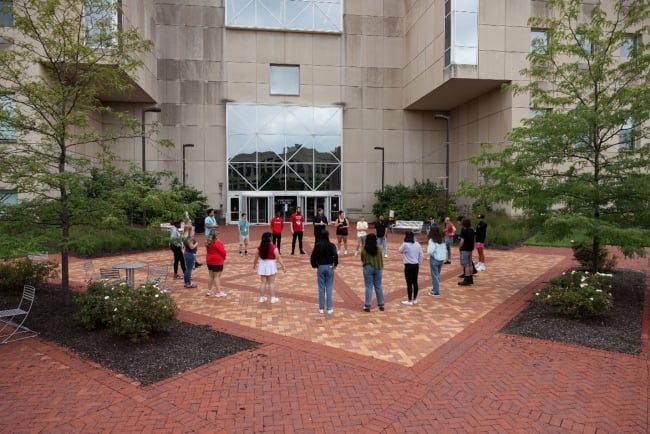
{"type": "Point", "coordinates": [628, 44]}
{"type": "Point", "coordinates": [538, 40]}
{"type": "Point", "coordinates": [6, 13]}
{"type": "Point", "coordinates": [285, 80]}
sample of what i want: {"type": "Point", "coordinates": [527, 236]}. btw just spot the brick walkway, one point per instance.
{"type": "Point", "coordinates": [440, 366]}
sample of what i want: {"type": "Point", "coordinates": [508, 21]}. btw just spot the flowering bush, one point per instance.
{"type": "Point", "coordinates": [578, 294]}
{"type": "Point", "coordinates": [134, 313]}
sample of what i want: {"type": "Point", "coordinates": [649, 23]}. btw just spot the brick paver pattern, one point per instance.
{"type": "Point", "coordinates": [439, 366]}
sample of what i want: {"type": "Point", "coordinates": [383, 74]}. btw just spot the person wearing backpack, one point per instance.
{"type": "Point", "coordinates": [437, 250]}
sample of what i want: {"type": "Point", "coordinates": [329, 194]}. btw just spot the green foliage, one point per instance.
{"type": "Point", "coordinates": [584, 253]}
{"type": "Point", "coordinates": [87, 241]}
{"type": "Point", "coordinates": [564, 167]}
{"type": "Point", "coordinates": [418, 202]}
{"type": "Point", "coordinates": [135, 313]}
{"type": "Point", "coordinates": [15, 274]}
{"type": "Point", "coordinates": [504, 230]}
{"type": "Point", "coordinates": [578, 294]}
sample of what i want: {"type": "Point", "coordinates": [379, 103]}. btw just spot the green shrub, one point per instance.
{"type": "Point", "coordinates": [15, 274]}
{"type": "Point", "coordinates": [134, 313]}
{"type": "Point", "coordinates": [86, 241]}
{"type": "Point", "coordinates": [578, 294]}
{"type": "Point", "coordinates": [583, 252]}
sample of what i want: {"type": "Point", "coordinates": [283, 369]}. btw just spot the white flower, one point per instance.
{"type": "Point", "coordinates": [599, 290]}
{"type": "Point", "coordinates": [584, 285]}
{"type": "Point", "coordinates": [156, 295]}
{"type": "Point", "coordinates": [115, 310]}
{"type": "Point", "coordinates": [537, 293]}
{"type": "Point", "coordinates": [591, 298]}
{"type": "Point", "coordinates": [106, 297]}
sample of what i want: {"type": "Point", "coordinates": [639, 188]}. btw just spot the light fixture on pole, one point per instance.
{"type": "Point", "coordinates": [381, 148]}
{"type": "Point", "coordinates": [154, 109]}
{"type": "Point", "coordinates": [446, 118]}
{"type": "Point", "coordinates": [185, 145]}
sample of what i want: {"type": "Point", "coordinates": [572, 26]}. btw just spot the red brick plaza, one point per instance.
{"type": "Point", "coordinates": [439, 366]}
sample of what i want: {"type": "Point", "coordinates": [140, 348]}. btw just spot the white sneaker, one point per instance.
{"type": "Point", "coordinates": [330, 311]}
{"type": "Point", "coordinates": [385, 256]}
{"type": "Point", "coordinates": [415, 302]}
{"type": "Point", "coordinates": [220, 294]}
{"type": "Point", "coordinates": [263, 299]}
{"type": "Point", "coordinates": [356, 253]}
{"type": "Point", "coordinates": [407, 302]}
{"type": "Point", "coordinates": [321, 310]}
{"type": "Point", "coordinates": [274, 299]}
{"type": "Point", "coordinates": [345, 253]}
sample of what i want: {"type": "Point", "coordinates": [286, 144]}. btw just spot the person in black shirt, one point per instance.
{"type": "Point", "coordinates": [466, 247]}
{"type": "Point", "coordinates": [320, 223]}
{"type": "Point", "coordinates": [382, 236]}
{"type": "Point", "coordinates": [481, 234]}
{"type": "Point", "coordinates": [325, 259]}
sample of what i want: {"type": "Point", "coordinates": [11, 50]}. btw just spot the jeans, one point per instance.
{"type": "Point", "coordinates": [372, 278]}
{"type": "Point", "coordinates": [384, 245]}
{"type": "Point", "coordinates": [325, 275]}
{"type": "Point", "coordinates": [293, 242]}
{"type": "Point", "coordinates": [448, 242]}
{"type": "Point", "coordinates": [190, 259]}
{"type": "Point", "coordinates": [435, 267]}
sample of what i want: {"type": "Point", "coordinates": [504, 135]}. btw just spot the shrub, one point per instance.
{"type": "Point", "coordinates": [583, 252]}
{"type": "Point", "coordinates": [578, 294]}
{"type": "Point", "coordinates": [134, 313]}
{"type": "Point", "coordinates": [15, 274]}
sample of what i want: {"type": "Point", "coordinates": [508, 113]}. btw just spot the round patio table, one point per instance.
{"type": "Point", "coordinates": [130, 268]}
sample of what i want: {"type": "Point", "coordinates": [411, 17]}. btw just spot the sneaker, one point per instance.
{"type": "Point", "coordinates": [274, 299]}
{"type": "Point", "coordinates": [407, 302]}
{"type": "Point", "coordinates": [263, 299]}
{"type": "Point", "coordinates": [431, 293]}
{"type": "Point", "coordinates": [381, 308]}
{"type": "Point", "coordinates": [345, 253]}
{"type": "Point", "coordinates": [385, 256]}
{"type": "Point", "coordinates": [447, 262]}
{"type": "Point", "coordinates": [415, 302]}
{"type": "Point", "coordinates": [356, 253]}
{"type": "Point", "coordinates": [366, 309]}
{"type": "Point", "coordinates": [177, 277]}
{"type": "Point", "coordinates": [220, 294]}
{"type": "Point", "coordinates": [321, 310]}
{"type": "Point", "coordinates": [191, 285]}
{"type": "Point", "coordinates": [434, 294]}
{"type": "Point", "coordinates": [330, 311]}
{"type": "Point", "coordinates": [245, 253]}
{"type": "Point", "coordinates": [241, 254]}
{"type": "Point", "coordinates": [208, 294]}
{"type": "Point", "coordinates": [302, 253]}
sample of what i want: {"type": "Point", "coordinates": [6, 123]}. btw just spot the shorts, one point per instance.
{"type": "Point", "coordinates": [361, 239]}
{"type": "Point", "coordinates": [478, 245]}
{"type": "Point", "coordinates": [267, 267]}
{"type": "Point", "coordinates": [217, 268]}
{"type": "Point", "coordinates": [244, 239]}
{"type": "Point", "coordinates": [342, 232]}
{"type": "Point", "coordinates": [465, 258]}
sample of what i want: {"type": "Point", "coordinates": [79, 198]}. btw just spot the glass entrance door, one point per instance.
{"type": "Point", "coordinates": [258, 210]}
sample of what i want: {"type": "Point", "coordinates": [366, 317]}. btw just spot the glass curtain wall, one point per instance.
{"type": "Point", "coordinates": [461, 32]}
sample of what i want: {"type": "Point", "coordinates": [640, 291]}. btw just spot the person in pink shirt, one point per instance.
{"type": "Point", "coordinates": [449, 231]}
{"type": "Point", "coordinates": [297, 228]}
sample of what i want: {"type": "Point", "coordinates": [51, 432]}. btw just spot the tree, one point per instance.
{"type": "Point", "coordinates": [580, 161]}
{"type": "Point", "coordinates": [60, 57]}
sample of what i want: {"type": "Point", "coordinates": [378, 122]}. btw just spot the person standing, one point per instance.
{"type": "Point", "coordinates": [372, 263]}
{"type": "Point", "coordinates": [481, 234]}
{"type": "Point", "coordinates": [267, 255]}
{"type": "Point", "coordinates": [362, 228]}
{"type": "Point", "coordinates": [244, 237]}
{"type": "Point", "coordinates": [277, 224]}
{"type": "Point", "coordinates": [450, 231]}
{"type": "Point", "coordinates": [437, 251]}
{"type": "Point", "coordinates": [210, 222]}
{"type": "Point", "coordinates": [342, 225]}
{"type": "Point", "coordinates": [176, 244]}
{"type": "Point", "coordinates": [466, 247]}
{"type": "Point", "coordinates": [320, 223]}
{"type": "Point", "coordinates": [412, 256]}
{"type": "Point", "coordinates": [325, 259]}
{"type": "Point", "coordinates": [381, 227]}
{"type": "Point", "coordinates": [215, 257]}
{"type": "Point", "coordinates": [297, 228]}
{"type": "Point", "coordinates": [191, 247]}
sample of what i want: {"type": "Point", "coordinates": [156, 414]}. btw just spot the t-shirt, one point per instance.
{"type": "Point", "coordinates": [362, 227]}
{"type": "Point", "coordinates": [380, 227]}
{"type": "Point", "coordinates": [215, 253]}
{"type": "Point", "coordinates": [271, 255]}
{"type": "Point", "coordinates": [209, 220]}
{"type": "Point", "coordinates": [277, 224]}
{"type": "Point", "coordinates": [319, 228]}
{"type": "Point", "coordinates": [467, 235]}
{"type": "Point", "coordinates": [297, 222]}
{"type": "Point", "coordinates": [481, 232]}
{"type": "Point", "coordinates": [243, 227]}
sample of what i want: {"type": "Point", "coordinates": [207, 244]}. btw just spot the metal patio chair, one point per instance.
{"type": "Point", "coordinates": [15, 318]}
{"type": "Point", "coordinates": [110, 275]}
{"type": "Point", "coordinates": [158, 273]}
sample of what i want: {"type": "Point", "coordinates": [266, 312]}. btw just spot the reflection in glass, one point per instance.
{"type": "Point", "coordinates": [284, 80]}
{"type": "Point", "coordinates": [306, 15]}
{"type": "Point", "coordinates": [278, 159]}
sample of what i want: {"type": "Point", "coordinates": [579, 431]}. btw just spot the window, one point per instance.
{"type": "Point", "coordinates": [6, 13]}
{"type": "Point", "coordinates": [7, 111]}
{"type": "Point", "coordinates": [301, 15]}
{"type": "Point", "coordinates": [587, 46]}
{"type": "Point", "coordinates": [101, 19]}
{"type": "Point", "coordinates": [626, 140]}
{"type": "Point", "coordinates": [538, 40]}
{"type": "Point", "coordinates": [284, 80]}
{"type": "Point", "coordinates": [8, 197]}
{"type": "Point", "coordinates": [627, 46]}
{"type": "Point", "coordinates": [461, 32]}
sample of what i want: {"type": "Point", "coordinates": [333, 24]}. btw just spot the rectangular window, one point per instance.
{"type": "Point", "coordinates": [7, 111]}
{"type": "Point", "coordinates": [627, 46]}
{"type": "Point", "coordinates": [102, 21]}
{"type": "Point", "coordinates": [284, 80]}
{"type": "Point", "coordinates": [586, 45]}
{"type": "Point", "coordinates": [300, 15]}
{"type": "Point", "coordinates": [538, 40]}
{"type": "Point", "coordinates": [8, 197]}
{"type": "Point", "coordinates": [6, 13]}
{"type": "Point", "coordinates": [461, 32]}
{"type": "Point", "coordinates": [626, 140]}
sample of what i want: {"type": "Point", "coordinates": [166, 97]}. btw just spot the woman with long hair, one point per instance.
{"type": "Point", "coordinates": [215, 258]}
{"type": "Point", "coordinates": [373, 263]}
{"type": "Point", "coordinates": [325, 259]}
{"type": "Point", "coordinates": [437, 250]}
{"type": "Point", "coordinates": [191, 247]}
{"type": "Point", "coordinates": [412, 256]}
{"type": "Point", "coordinates": [267, 255]}
{"type": "Point", "coordinates": [176, 244]}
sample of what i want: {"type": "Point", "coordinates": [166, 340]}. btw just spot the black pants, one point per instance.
{"type": "Point", "coordinates": [411, 274]}
{"type": "Point", "coordinates": [178, 259]}
{"type": "Point", "coordinates": [277, 239]}
{"type": "Point", "coordinates": [297, 235]}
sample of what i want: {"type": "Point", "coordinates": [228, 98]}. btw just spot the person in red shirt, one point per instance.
{"type": "Point", "coordinates": [215, 258]}
{"type": "Point", "coordinates": [277, 224]}
{"type": "Point", "coordinates": [297, 228]}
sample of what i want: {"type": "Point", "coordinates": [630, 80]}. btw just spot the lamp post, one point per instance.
{"type": "Point", "coordinates": [185, 145]}
{"type": "Point", "coordinates": [154, 109]}
{"type": "Point", "coordinates": [446, 118]}
{"type": "Point", "coordinates": [381, 148]}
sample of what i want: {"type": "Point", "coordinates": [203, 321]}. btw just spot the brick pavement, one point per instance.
{"type": "Point", "coordinates": [440, 366]}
